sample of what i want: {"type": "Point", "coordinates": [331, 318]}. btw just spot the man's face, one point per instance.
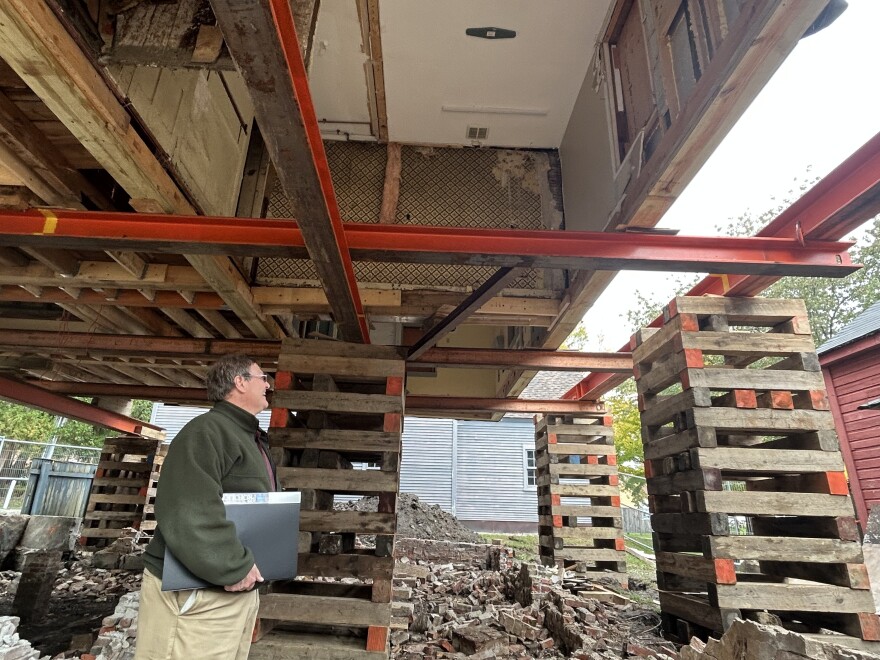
{"type": "Point", "coordinates": [255, 386]}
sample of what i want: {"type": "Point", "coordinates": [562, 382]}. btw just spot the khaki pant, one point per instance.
{"type": "Point", "coordinates": [217, 626]}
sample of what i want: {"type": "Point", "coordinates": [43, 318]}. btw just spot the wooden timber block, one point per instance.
{"type": "Point", "coordinates": [282, 644]}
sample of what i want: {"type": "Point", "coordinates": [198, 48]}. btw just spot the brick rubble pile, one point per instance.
{"type": "Point", "coordinates": [747, 639]}
{"type": "Point", "coordinates": [520, 612]}
{"type": "Point", "coordinates": [116, 639]}
{"type": "Point", "coordinates": [12, 647]}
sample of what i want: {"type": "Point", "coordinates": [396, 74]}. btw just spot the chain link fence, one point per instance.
{"type": "Point", "coordinates": [16, 457]}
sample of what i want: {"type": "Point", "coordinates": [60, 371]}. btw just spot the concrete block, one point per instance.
{"type": "Point", "coordinates": [51, 533]}
{"type": "Point", "coordinates": [11, 530]}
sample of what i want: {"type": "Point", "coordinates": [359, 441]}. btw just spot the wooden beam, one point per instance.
{"type": "Point", "coordinates": [41, 51]}
{"type": "Point", "coordinates": [377, 68]}
{"type": "Point", "coordinates": [196, 395]}
{"type": "Point", "coordinates": [427, 404]}
{"type": "Point", "coordinates": [268, 58]}
{"type": "Point", "coordinates": [526, 359]}
{"type": "Point", "coordinates": [495, 284]}
{"type": "Point", "coordinates": [391, 189]}
{"type": "Point", "coordinates": [182, 318]}
{"type": "Point", "coordinates": [63, 185]}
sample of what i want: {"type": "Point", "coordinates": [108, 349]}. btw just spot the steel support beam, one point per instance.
{"type": "Point", "coordinates": [438, 245]}
{"type": "Point", "coordinates": [261, 37]}
{"type": "Point", "coordinates": [38, 397]}
{"type": "Point", "coordinates": [835, 206]}
{"type": "Point", "coordinates": [488, 290]}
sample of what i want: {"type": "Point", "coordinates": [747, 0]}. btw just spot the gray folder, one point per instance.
{"type": "Point", "coordinates": [266, 523]}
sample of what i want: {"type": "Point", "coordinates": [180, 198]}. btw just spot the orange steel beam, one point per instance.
{"type": "Point", "coordinates": [261, 37]}
{"type": "Point", "coordinates": [835, 206]}
{"type": "Point", "coordinates": [438, 245]}
{"type": "Point", "coordinates": [38, 397]}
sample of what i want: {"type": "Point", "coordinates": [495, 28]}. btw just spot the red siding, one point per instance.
{"type": "Point", "coordinates": [851, 383]}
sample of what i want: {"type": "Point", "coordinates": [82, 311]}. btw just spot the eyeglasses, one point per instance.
{"type": "Point", "coordinates": [264, 377]}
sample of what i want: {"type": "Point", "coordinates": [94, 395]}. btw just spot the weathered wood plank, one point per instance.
{"type": "Point", "coordinates": [284, 644]}
{"type": "Point", "coordinates": [791, 597]}
{"type": "Point", "coordinates": [765, 312]}
{"type": "Point", "coordinates": [769, 504]}
{"type": "Point", "coordinates": [345, 565]}
{"type": "Point", "coordinates": [338, 481]}
{"type": "Point", "coordinates": [591, 554]}
{"type": "Point", "coordinates": [581, 469]}
{"type": "Point", "coordinates": [777, 548]}
{"type": "Point", "coordinates": [761, 420]}
{"type": "Point", "coordinates": [714, 570]}
{"type": "Point", "coordinates": [358, 522]}
{"type": "Point", "coordinates": [337, 402]}
{"type": "Point", "coordinates": [325, 610]}
{"type": "Point", "coordinates": [747, 459]}
{"type": "Point", "coordinates": [341, 440]}
{"type": "Point", "coordinates": [40, 50]}
{"type": "Point", "coordinates": [340, 365]}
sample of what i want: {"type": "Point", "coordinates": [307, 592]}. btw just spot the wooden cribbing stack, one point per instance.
{"type": "Point", "coordinates": [578, 495]}
{"type": "Point", "coordinates": [337, 406]}
{"type": "Point", "coordinates": [123, 490]}
{"type": "Point", "coordinates": [743, 463]}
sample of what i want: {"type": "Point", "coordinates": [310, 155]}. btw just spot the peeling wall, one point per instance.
{"type": "Point", "coordinates": [484, 188]}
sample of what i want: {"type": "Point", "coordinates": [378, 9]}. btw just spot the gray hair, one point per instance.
{"type": "Point", "coordinates": [222, 374]}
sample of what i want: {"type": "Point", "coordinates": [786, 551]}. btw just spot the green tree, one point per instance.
{"type": "Point", "coordinates": [622, 403]}
{"type": "Point", "coordinates": [22, 423]}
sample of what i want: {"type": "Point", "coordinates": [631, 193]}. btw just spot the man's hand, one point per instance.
{"type": "Point", "coordinates": [248, 581]}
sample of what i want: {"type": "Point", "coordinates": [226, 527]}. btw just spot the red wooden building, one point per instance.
{"type": "Point", "coordinates": [851, 366]}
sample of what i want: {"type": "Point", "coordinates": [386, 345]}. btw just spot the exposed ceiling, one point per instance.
{"type": "Point", "coordinates": [439, 81]}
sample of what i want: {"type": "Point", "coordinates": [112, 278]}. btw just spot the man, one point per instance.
{"type": "Point", "coordinates": [222, 451]}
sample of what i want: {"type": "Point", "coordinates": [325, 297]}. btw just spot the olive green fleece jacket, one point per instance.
{"type": "Point", "coordinates": [213, 454]}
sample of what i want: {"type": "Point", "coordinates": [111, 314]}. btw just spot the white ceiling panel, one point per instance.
{"type": "Point", "coordinates": [439, 81]}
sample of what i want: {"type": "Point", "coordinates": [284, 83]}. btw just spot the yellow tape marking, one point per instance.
{"type": "Point", "coordinates": [725, 282]}
{"type": "Point", "coordinates": [51, 223]}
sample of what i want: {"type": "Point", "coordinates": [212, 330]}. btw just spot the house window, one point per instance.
{"type": "Point", "coordinates": [530, 472]}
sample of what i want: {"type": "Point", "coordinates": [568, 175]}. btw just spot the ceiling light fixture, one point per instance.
{"type": "Point", "coordinates": [490, 33]}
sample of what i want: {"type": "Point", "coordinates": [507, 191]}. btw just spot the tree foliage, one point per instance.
{"type": "Point", "coordinates": [22, 423]}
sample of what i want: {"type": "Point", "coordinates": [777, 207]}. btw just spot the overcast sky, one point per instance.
{"type": "Point", "coordinates": [821, 105]}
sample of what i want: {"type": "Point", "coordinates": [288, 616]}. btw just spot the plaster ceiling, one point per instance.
{"type": "Point", "coordinates": [439, 81]}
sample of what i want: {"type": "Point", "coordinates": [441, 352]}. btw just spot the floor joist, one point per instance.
{"type": "Point", "coordinates": [207, 350]}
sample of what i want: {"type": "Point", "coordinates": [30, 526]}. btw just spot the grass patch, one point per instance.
{"type": "Point", "coordinates": [525, 545]}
